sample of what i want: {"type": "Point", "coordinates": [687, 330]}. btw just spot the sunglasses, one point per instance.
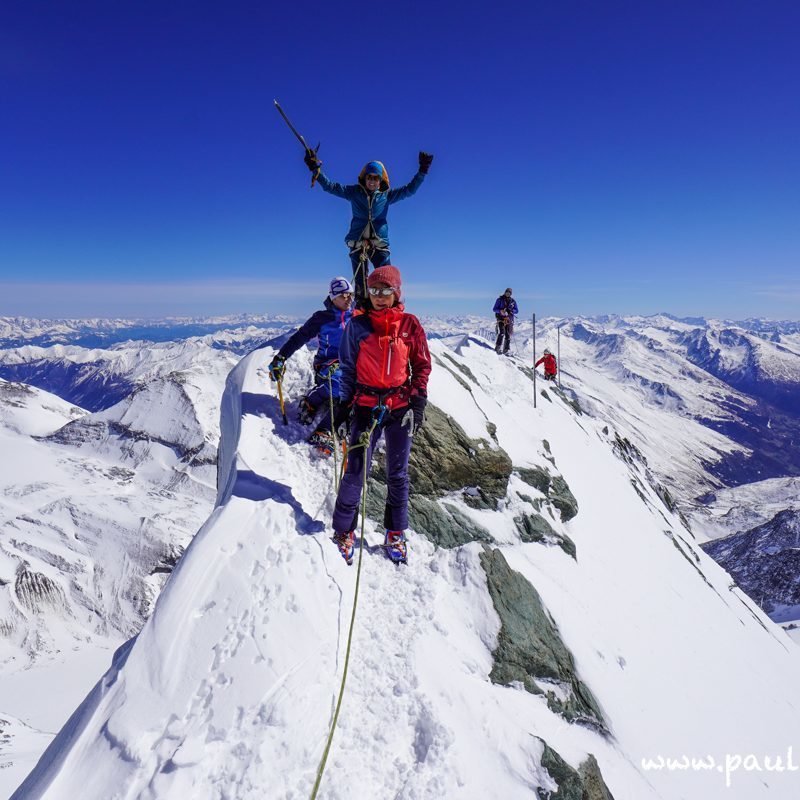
{"type": "Point", "coordinates": [385, 292]}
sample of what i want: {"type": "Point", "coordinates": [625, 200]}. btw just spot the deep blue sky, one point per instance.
{"type": "Point", "coordinates": [615, 157]}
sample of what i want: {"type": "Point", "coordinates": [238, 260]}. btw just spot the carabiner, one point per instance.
{"type": "Point", "coordinates": [379, 413]}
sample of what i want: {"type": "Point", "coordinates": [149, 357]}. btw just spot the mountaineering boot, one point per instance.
{"type": "Point", "coordinates": [322, 442]}
{"type": "Point", "coordinates": [306, 412]}
{"type": "Point", "coordinates": [395, 545]}
{"type": "Point", "coordinates": [346, 542]}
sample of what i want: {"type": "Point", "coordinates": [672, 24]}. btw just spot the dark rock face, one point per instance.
{"type": "Point", "coordinates": [555, 488]}
{"type": "Point", "coordinates": [764, 561]}
{"type": "Point", "coordinates": [535, 528]}
{"type": "Point", "coordinates": [537, 477]}
{"type": "Point", "coordinates": [563, 499]}
{"type": "Point", "coordinates": [36, 591]}
{"type": "Point", "coordinates": [445, 525]}
{"type": "Point", "coordinates": [585, 783]}
{"type": "Point", "coordinates": [594, 787]}
{"type": "Point", "coordinates": [445, 460]}
{"type": "Point", "coordinates": [529, 647]}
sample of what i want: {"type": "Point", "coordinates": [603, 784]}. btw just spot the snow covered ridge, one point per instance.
{"type": "Point", "coordinates": [552, 633]}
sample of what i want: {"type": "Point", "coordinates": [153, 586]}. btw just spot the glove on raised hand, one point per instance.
{"type": "Point", "coordinates": [312, 162]}
{"type": "Point", "coordinates": [276, 368]}
{"type": "Point", "coordinates": [425, 160]}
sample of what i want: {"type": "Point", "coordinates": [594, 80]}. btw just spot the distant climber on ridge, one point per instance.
{"type": "Point", "coordinates": [505, 309]}
{"type": "Point", "coordinates": [327, 325]}
{"type": "Point", "coordinates": [550, 367]}
{"type": "Point", "coordinates": [370, 198]}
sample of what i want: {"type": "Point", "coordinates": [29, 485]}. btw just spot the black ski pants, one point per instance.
{"type": "Point", "coordinates": [505, 330]}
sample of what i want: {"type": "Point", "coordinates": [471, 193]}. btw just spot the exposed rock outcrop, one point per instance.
{"type": "Point", "coordinates": [530, 649]}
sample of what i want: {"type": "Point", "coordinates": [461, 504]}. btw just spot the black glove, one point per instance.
{"type": "Point", "coordinates": [425, 160]}
{"type": "Point", "coordinates": [415, 416]}
{"type": "Point", "coordinates": [312, 162]}
{"type": "Point", "coordinates": [277, 367]}
{"type": "Point", "coordinates": [342, 414]}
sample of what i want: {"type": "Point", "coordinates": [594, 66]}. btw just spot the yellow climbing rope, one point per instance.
{"type": "Point", "coordinates": [363, 441]}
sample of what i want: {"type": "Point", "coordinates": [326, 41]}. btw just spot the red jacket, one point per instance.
{"type": "Point", "coordinates": [384, 355]}
{"type": "Point", "coordinates": [550, 367]}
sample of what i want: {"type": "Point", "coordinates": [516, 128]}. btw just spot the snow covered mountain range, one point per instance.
{"type": "Point", "coordinates": [665, 425]}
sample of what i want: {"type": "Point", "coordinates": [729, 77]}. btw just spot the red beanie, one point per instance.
{"type": "Point", "coordinates": [389, 275]}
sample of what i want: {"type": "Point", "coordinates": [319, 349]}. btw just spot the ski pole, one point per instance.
{"type": "Point", "coordinates": [533, 323]}
{"type": "Point", "coordinates": [280, 399]}
{"type": "Point", "coordinates": [559, 356]}
{"type": "Point", "coordinates": [301, 139]}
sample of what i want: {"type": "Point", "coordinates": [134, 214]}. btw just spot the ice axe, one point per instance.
{"type": "Point", "coordinates": [300, 138]}
{"type": "Point", "coordinates": [280, 399]}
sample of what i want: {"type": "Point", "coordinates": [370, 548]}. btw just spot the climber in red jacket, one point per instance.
{"type": "Point", "coordinates": [550, 367]}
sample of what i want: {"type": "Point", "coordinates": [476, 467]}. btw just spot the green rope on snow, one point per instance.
{"type": "Point", "coordinates": [363, 441]}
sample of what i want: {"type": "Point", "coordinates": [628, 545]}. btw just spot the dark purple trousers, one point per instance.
{"type": "Point", "coordinates": [398, 447]}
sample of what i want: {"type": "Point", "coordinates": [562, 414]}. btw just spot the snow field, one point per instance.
{"type": "Point", "coordinates": [229, 689]}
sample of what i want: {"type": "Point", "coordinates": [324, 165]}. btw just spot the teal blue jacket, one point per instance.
{"type": "Point", "coordinates": [369, 209]}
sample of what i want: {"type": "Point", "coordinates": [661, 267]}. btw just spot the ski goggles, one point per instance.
{"type": "Point", "coordinates": [385, 291]}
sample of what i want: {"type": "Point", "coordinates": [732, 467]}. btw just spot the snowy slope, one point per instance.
{"type": "Point", "coordinates": [740, 508]}
{"type": "Point", "coordinates": [29, 411]}
{"type": "Point", "coordinates": [229, 688]}
{"type": "Point", "coordinates": [71, 495]}
{"type": "Point", "coordinates": [95, 509]}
